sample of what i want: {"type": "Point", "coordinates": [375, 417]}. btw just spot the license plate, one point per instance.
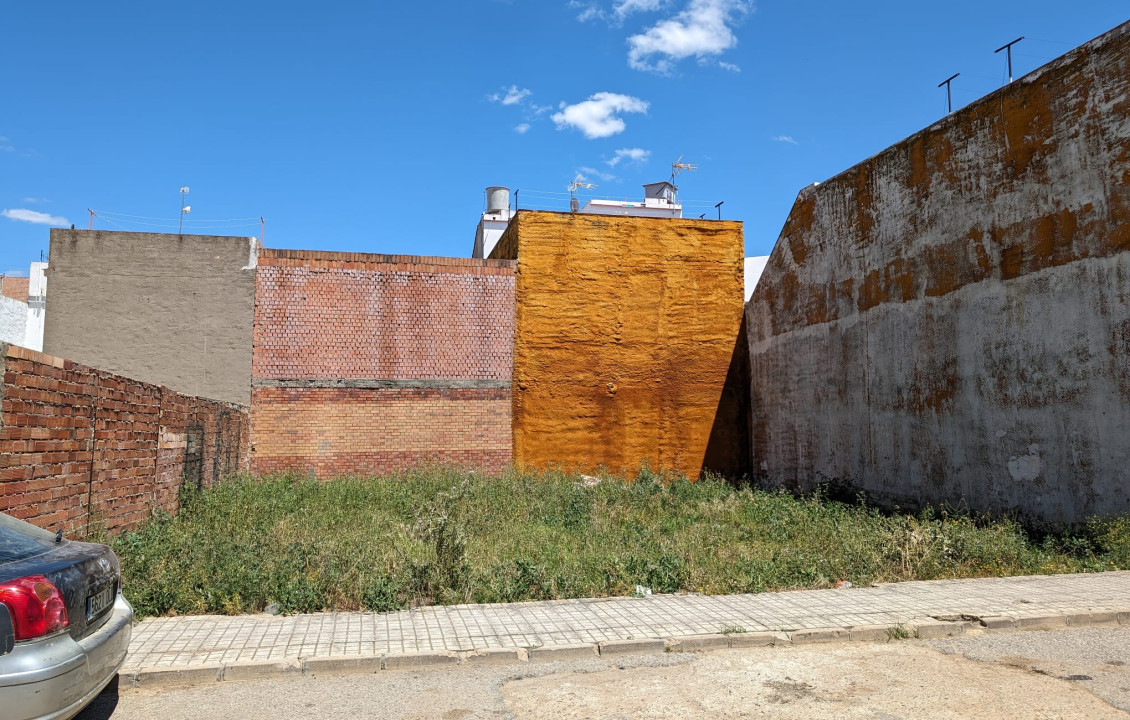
{"type": "Point", "coordinates": [100, 601]}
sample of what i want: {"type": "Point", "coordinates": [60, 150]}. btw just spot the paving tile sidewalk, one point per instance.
{"type": "Point", "coordinates": [200, 641]}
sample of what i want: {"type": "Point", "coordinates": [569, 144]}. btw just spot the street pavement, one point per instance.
{"type": "Point", "coordinates": [1042, 647]}
{"type": "Point", "coordinates": [198, 645]}
{"type": "Point", "coordinates": [1017, 675]}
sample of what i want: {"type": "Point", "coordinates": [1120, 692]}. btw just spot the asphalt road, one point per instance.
{"type": "Point", "coordinates": [1032, 675]}
{"type": "Point", "coordinates": [1097, 659]}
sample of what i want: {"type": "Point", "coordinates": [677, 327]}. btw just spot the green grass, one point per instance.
{"type": "Point", "coordinates": [442, 536]}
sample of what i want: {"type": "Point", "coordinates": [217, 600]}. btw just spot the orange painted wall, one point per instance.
{"type": "Point", "coordinates": [625, 335]}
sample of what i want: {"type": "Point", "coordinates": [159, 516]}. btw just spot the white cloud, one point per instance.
{"type": "Point", "coordinates": [702, 29]}
{"type": "Point", "coordinates": [587, 173]}
{"type": "Point", "coordinates": [522, 128]}
{"type": "Point", "coordinates": [5, 146]}
{"type": "Point", "coordinates": [31, 216]}
{"type": "Point", "coordinates": [729, 66]}
{"type": "Point", "coordinates": [635, 155]}
{"type": "Point", "coordinates": [784, 139]}
{"type": "Point", "coordinates": [515, 96]}
{"type": "Point", "coordinates": [33, 200]}
{"type": "Point", "coordinates": [599, 116]}
{"type": "Point", "coordinates": [588, 10]}
{"type": "Point", "coordinates": [621, 9]}
{"type": "Point", "coordinates": [624, 8]}
{"type": "Point", "coordinates": [512, 95]}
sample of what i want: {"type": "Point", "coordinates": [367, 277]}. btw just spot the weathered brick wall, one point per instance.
{"type": "Point", "coordinates": [372, 363]}
{"type": "Point", "coordinates": [83, 449]}
{"type": "Point", "coordinates": [948, 322]}
{"type": "Point", "coordinates": [627, 350]}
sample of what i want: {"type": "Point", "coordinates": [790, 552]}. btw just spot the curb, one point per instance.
{"type": "Point", "coordinates": [942, 626]}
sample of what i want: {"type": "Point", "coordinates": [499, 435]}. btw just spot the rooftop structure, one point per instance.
{"type": "Point", "coordinates": [660, 200]}
{"type": "Point", "coordinates": [22, 301]}
{"type": "Point", "coordinates": [493, 222]}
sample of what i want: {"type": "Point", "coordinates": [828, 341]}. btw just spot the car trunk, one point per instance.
{"type": "Point", "coordinates": [86, 574]}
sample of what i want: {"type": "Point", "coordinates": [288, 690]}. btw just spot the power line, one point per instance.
{"type": "Point", "coordinates": [147, 217]}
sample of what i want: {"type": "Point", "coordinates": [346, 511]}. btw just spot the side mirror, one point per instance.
{"type": "Point", "coordinates": [7, 631]}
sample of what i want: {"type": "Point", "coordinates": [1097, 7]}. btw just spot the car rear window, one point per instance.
{"type": "Point", "coordinates": [19, 540]}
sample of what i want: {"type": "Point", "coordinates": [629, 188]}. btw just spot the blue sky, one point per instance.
{"type": "Point", "coordinates": [375, 126]}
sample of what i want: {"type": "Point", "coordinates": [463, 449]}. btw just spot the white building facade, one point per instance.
{"type": "Point", "coordinates": [21, 322]}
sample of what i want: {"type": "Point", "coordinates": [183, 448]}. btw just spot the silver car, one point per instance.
{"type": "Point", "coordinates": [64, 624]}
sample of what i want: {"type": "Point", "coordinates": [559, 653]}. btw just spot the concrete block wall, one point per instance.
{"type": "Point", "coordinates": [82, 449]}
{"type": "Point", "coordinates": [172, 310]}
{"type": "Point", "coordinates": [948, 322]}
{"type": "Point", "coordinates": [372, 363]}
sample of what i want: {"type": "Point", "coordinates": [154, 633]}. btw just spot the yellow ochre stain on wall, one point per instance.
{"type": "Point", "coordinates": [625, 330]}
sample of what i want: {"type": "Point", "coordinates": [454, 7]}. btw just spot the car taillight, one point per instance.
{"type": "Point", "coordinates": [36, 606]}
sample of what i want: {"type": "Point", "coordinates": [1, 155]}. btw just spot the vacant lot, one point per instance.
{"type": "Point", "coordinates": [444, 536]}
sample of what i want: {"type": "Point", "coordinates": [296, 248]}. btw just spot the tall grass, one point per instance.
{"type": "Point", "coordinates": [443, 536]}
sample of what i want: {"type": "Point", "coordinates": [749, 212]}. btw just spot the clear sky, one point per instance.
{"type": "Point", "coordinates": [375, 126]}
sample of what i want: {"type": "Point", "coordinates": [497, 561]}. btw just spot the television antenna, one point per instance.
{"type": "Point", "coordinates": [578, 184]}
{"type": "Point", "coordinates": [679, 166]}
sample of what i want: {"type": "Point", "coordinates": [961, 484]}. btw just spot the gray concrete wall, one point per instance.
{"type": "Point", "coordinates": [948, 322]}
{"type": "Point", "coordinates": [173, 310]}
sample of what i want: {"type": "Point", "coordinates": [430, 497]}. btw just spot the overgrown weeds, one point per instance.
{"type": "Point", "coordinates": [439, 535]}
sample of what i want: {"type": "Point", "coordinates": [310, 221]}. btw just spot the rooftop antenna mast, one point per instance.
{"type": "Point", "coordinates": [677, 168]}
{"type": "Point", "coordinates": [578, 184]}
{"type": "Point", "coordinates": [1008, 48]}
{"type": "Point", "coordinates": [949, 97]}
{"type": "Point", "coordinates": [183, 209]}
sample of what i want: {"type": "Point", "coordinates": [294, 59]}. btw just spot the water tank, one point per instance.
{"type": "Point", "coordinates": [498, 198]}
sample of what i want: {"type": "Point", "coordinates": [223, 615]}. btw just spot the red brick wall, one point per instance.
{"type": "Point", "coordinates": [14, 287]}
{"type": "Point", "coordinates": [83, 450]}
{"type": "Point", "coordinates": [373, 363]}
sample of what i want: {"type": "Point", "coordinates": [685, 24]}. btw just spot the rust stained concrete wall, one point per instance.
{"type": "Point", "coordinates": [948, 322]}
{"type": "Point", "coordinates": [625, 342]}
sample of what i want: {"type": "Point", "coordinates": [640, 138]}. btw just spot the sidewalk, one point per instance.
{"type": "Point", "coordinates": [200, 648]}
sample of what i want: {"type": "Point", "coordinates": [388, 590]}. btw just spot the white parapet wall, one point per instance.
{"type": "Point", "coordinates": [13, 321]}
{"type": "Point", "coordinates": [36, 306]}
{"type": "Point", "coordinates": [754, 266]}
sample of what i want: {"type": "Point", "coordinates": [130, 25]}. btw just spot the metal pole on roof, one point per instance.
{"type": "Point", "coordinates": [718, 207]}
{"type": "Point", "coordinates": [949, 97]}
{"type": "Point", "coordinates": [1008, 48]}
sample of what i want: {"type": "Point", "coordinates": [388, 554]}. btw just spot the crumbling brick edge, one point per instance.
{"type": "Point", "coordinates": [159, 678]}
